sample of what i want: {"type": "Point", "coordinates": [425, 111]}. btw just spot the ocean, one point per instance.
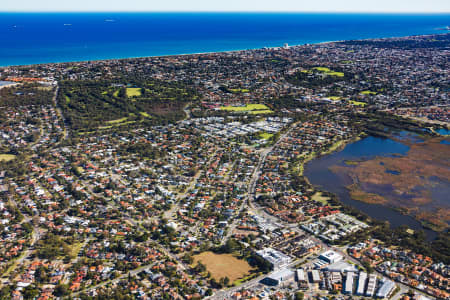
{"type": "Point", "coordinates": [32, 38]}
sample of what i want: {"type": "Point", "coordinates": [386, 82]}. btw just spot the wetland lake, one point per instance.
{"type": "Point", "coordinates": [377, 174]}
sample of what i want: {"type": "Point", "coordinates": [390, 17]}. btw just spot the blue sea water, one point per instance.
{"type": "Point", "coordinates": [30, 38]}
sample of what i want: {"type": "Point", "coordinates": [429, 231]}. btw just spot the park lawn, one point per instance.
{"type": "Point", "coordinates": [335, 98]}
{"type": "Point", "coordinates": [144, 114]}
{"type": "Point", "coordinates": [239, 90]}
{"type": "Point", "coordinates": [322, 69]}
{"type": "Point", "coordinates": [45, 88]}
{"type": "Point", "coordinates": [329, 72]}
{"type": "Point", "coordinates": [337, 74]}
{"type": "Point", "coordinates": [131, 92]}
{"type": "Point", "coordinates": [248, 107]}
{"type": "Point", "coordinates": [134, 92]}
{"type": "Point", "coordinates": [259, 112]}
{"type": "Point", "coordinates": [7, 157]}
{"type": "Point", "coordinates": [358, 103]}
{"type": "Point", "coordinates": [320, 198]}
{"type": "Point", "coordinates": [368, 93]}
{"type": "Point", "coordinates": [253, 108]}
{"type": "Point", "coordinates": [247, 278]}
{"type": "Point", "coordinates": [223, 265]}
{"type": "Point", "coordinates": [117, 124]}
{"type": "Point", "coordinates": [257, 106]}
{"type": "Point", "coordinates": [117, 121]}
{"type": "Point", "coordinates": [75, 249]}
{"type": "Point", "coordinates": [265, 135]}
{"type": "Point", "coordinates": [300, 168]}
{"type": "Point", "coordinates": [67, 99]}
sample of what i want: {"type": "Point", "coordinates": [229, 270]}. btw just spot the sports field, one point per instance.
{"type": "Point", "coordinates": [251, 108]}
{"type": "Point", "coordinates": [358, 103]}
{"type": "Point", "coordinates": [265, 135]}
{"type": "Point", "coordinates": [329, 72]}
{"type": "Point", "coordinates": [133, 92]}
{"type": "Point", "coordinates": [368, 93]}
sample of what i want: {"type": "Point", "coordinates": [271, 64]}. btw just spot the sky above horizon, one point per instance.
{"type": "Point", "coordinates": [407, 6]}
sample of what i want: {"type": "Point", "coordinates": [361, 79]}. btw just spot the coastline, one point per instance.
{"type": "Point", "coordinates": [335, 147]}
{"type": "Point", "coordinates": [97, 60]}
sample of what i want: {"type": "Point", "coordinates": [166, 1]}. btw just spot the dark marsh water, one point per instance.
{"type": "Point", "coordinates": [319, 174]}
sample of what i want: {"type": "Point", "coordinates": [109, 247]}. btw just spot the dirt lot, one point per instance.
{"type": "Point", "coordinates": [223, 265]}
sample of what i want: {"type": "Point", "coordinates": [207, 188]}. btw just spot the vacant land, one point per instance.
{"type": "Point", "coordinates": [223, 265]}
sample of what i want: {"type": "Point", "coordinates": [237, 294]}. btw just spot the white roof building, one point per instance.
{"type": "Point", "coordinates": [274, 257]}
{"type": "Point", "coordinates": [330, 256]}
{"type": "Point", "coordinates": [361, 283]}
{"type": "Point", "coordinates": [315, 276]}
{"type": "Point", "coordinates": [386, 289]}
{"type": "Point", "coordinates": [371, 285]}
{"type": "Point", "coordinates": [301, 275]}
{"type": "Point", "coordinates": [348, 285]}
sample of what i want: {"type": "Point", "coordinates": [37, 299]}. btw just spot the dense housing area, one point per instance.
{"type": "Point", "coordinates": [182, 177]}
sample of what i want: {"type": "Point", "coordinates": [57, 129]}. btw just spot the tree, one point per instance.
{"type": "Point", "coordinates": [226, 281]}
{"type": "Point", "coordinates": [61, 290]}
{"type": "Point", "coordinates": [30, 292]}
{"type": "Point", "coordinates": [230, 246]}
{"type": "Point", "coordinates": [200, 267]}
{"type": "Point", "coordinates": [299, 296]}
{"type": "Point", "coordinates": [367, 266]}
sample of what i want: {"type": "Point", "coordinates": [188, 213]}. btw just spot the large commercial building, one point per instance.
{"type": "Point", "coordinates": [386, 289]}
{"type": "Point", "coordinates": [361, 283]}
{"type": "Point", "coordinates": [341, 266]}
{"type": "Point", "coordinates": [302, 279]}
{"type": "Point", "coordinates": [277, 259]}
{"type": "Point", "coordinates": [280, 277]}
{"type": "Point", "coordinates": [348, 285]}
{"type": "Point", "coordinates": [315, 276]}
{"type": "Point", "coordinates": [301, 275]}
{"type": "Point", "coordinates": [330, 256]}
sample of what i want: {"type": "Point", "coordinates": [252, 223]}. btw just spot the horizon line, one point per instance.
{"type": "Point", "coordinates": [225, 11]}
